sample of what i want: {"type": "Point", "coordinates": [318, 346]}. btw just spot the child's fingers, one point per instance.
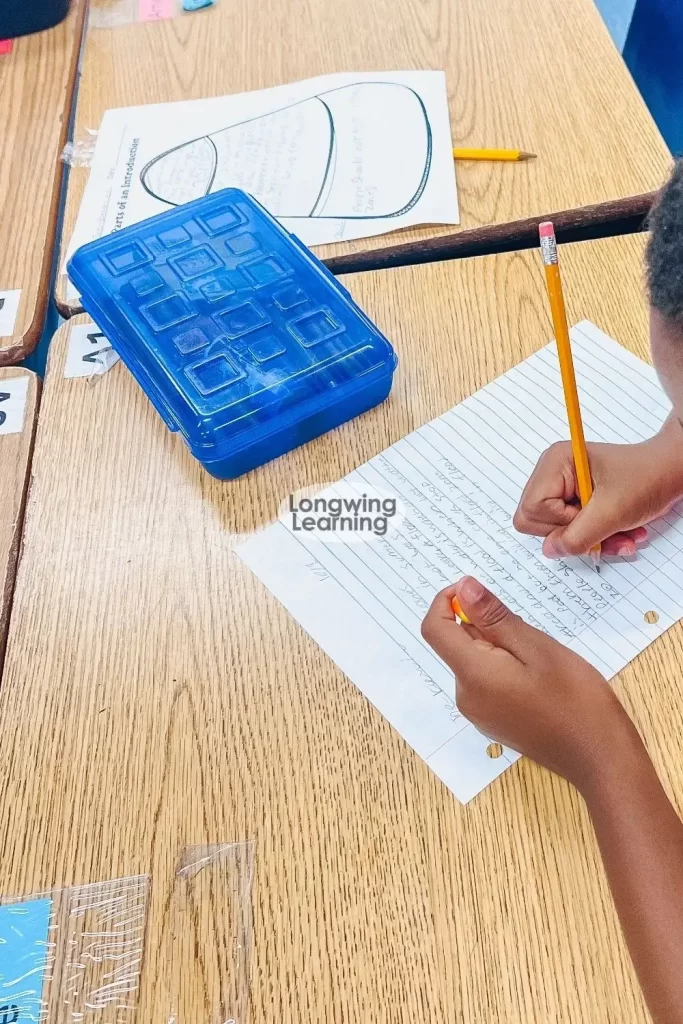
{"type": "Point", "coordinates": [547, 500]}
{"type": "Point", "coordinates": [625, 543]}
{"type": "Point", "coordinates": [493, 620]}
{"type": "Point", "coordinates": [453, 643]}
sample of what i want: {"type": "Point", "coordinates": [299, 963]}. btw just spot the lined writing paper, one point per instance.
{"type": "Point", "coordinates": [457, 482]}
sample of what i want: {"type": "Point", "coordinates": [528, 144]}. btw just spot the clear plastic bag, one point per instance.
{"type": "Point", "coordinates": [113, 13]}
{"type": "Point", "coordinates": [73, 955]}
{"type": "Point", "coordinates": [80, 152]}
{"type": "Point", "coordinates": [211, 935]}
{"type": "Point", "coordinates": [103, 946]}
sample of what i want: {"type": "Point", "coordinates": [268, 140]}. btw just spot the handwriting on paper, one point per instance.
{"type": "Point", "coordinates": [457, 482]}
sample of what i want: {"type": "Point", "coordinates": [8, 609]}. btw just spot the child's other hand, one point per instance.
{"type": "Point", "coordinates": [520, 687]}
{"type": "Point", "coordinates": [633, 484]}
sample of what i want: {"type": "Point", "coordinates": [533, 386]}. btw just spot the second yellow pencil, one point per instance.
{"type": "Point", "coordinates": [492, 154]}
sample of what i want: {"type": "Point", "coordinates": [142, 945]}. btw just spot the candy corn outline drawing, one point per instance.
{"type": "Point", "coordinates": [339, 172]}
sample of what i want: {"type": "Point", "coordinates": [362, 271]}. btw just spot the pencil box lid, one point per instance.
{"type": "Point", "coordinates": [230, 324]}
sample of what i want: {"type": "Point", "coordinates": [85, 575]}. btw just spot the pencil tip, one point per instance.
{"type": "Point", "coordinates": [597, 569]}
{"type": "Point", "coordinates": [527, 156]}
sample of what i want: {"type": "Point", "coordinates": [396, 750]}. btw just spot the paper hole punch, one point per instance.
{"type": "Point", "coordinates": [651, 617]}
{"type": "Point", "coordinates": [494, 750]}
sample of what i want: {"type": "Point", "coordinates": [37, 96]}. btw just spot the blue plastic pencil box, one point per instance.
{"type": "Point", "coordinates": [241, 338]}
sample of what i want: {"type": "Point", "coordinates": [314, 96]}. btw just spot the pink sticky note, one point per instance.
{"type": "Point", "coordinates": [155, 10]}
{"type": "Point", "coordinates": [6, 45]}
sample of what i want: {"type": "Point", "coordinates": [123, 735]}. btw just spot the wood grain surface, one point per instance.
{"type": "Point", "coordinates": [15, 464]}
{"type": "Point", "coordinates": [36, 89]}
{"type": "Point", "coordinates": [538, 74]}
{"type": "Point", "coordinates": [155, 695]}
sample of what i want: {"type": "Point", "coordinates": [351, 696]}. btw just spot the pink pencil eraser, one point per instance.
{"type": "Point", "coordinates": [546, 229]}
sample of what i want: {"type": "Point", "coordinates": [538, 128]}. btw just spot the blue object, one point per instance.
{"type": "Point", "coordinates": [617, 16]}
{"type": "Point", "coordinates": [241, 338]}
{"type": "Point", "coordinates": [18, 19]}
{"type": "Point", "coordinates": [24, 958]}
{"type": "Point", "coordinates": [196, 5]}
{"type": "Point", "coordinates": [654, 54]}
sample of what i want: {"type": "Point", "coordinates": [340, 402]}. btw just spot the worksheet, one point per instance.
{"type": "Point", "coordinates": [438, 505]}
{"type": "Point", "coordinates": [337, 157]}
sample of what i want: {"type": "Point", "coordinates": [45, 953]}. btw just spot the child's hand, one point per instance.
{"type": "Point", "coordinates": [633, 484]}
{"type": "Point", "coordinates": [520, 687]}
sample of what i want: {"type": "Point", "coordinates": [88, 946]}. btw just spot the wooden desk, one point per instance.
{"type": "Point", "coordinates": [15, 463]}
{"type": "Point", "coordinates": [538, 74]}
{"type": "Point", "coordinates": [36, 89]}
{"type": "Point", "coordinates": [156, 695]}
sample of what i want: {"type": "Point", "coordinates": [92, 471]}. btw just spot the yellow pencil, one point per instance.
{"type": "Point", "coordinates": [458, 612]}
{"type": "Point", "coordinates": [564, 354]}
{"type": "Point", "coordinates": [492, 154]}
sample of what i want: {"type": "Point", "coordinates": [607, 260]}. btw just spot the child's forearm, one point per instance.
{"type": "Point", "coordinates": [641, 842]}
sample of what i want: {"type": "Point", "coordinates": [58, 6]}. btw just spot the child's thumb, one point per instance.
{"type": "Point", "coordinates": [591, 526]}
{"type": "Point", "coordinates": [494, 621]}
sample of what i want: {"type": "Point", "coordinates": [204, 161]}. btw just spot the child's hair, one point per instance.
{"type": "Point", "coordinates": [664, 256]}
